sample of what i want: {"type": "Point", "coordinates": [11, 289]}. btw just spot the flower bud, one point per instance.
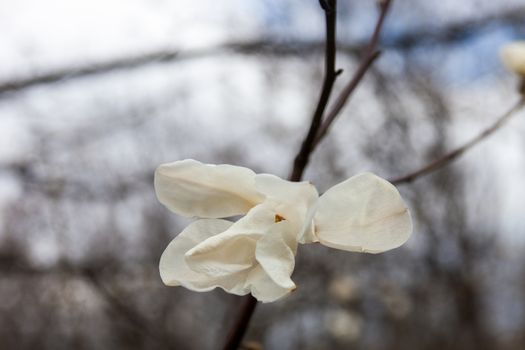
{"type": "Point", "coordinates": [513, 57]}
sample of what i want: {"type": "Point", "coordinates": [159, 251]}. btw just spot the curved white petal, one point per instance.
{"type": "Point", "coordinates": [263, 288]}
{"type": "Point", "coordinates": [295, 201]}
{"type": "Point", "coordinates": [174, 271]}
{"type": "Point", "coordinates": [233, 250]}
{"type": "Point", "coordinates": [223, 254]}
{"type": "Point", "coordinates": [291, 192]}
{"type": "Point", "coordinates": [275, 252]}
{"type": "Point", "coordinates": [365, 214]}
{"type": "Point", "coordinates": [513, 57]}
{"type": "Point", "coordinates": [193, 189]}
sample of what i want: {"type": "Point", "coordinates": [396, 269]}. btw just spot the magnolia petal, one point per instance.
{"type": "Point", "coordinates": [233, 250]}
{"type": "Point", "coordinates": [365, 214]}
{"type": "Point", "coordinates": [223, 254]}
{"type": "Point", "coordinates": [309, 235]}
{"type": "Point", "coordinates": [295, 201]}
{"type": "Point", "coordinates": [302, 193]}
{"type": "Point", "coordinates": [257, 220]}
{"type": "Point", "coordinates": [263, 288]}
{"type": "Point", "coordinates": [275, 252]}
{"type": "Point", "coordinates": [175, 272]}
{"type": "Point", "coordinates": [192, 189]}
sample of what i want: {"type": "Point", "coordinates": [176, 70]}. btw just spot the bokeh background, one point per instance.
{"type": "Point", "coordinates": [95, 94]}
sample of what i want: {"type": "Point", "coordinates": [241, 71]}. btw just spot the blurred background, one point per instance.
{"type": "Point", "coordinates": [95, 94]}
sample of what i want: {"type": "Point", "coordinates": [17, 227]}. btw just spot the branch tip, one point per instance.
{"type": "Point", "coordinates": [458, 152]}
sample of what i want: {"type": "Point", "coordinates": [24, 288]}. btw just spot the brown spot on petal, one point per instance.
{"type": "Point", "coordinates": [279, 218]}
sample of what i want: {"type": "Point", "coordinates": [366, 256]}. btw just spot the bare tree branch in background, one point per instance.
{"type": "Point", "coordinates": [449, 34]}
{"type": "Point", "coordinates": [132, 316]}
{"type": "Point", "coordinates": [456, 31]}
{"type": "Point", "coordinates": [458, 152]}
{"type": "Point", "coordinates": [91, 275]}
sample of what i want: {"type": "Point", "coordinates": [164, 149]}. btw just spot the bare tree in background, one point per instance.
{"type": "Point", "coordinates": [107, 293]}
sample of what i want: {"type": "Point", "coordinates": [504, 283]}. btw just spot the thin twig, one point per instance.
{"type": "Point", "coordinates": [303, 156]}
{"type": "Point", "coordinates": [369, 56]}
{"type": "Point", "coordinates": [249, 303]}
{"type": "Point", "coordinates": [456, 153]}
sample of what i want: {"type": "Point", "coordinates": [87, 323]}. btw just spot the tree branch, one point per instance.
{"type": "Point", "coordinates": [236, 334]}
{"type": "Point", "coordinates": [369, 56]}
{"type": "Point", "coordinates": [449, 34]}
{"type": "Point", "coordinates": [90, 69]}
{"type": "Point", "coordinates": [456, 153]}
{"type": "Point", "coordinates": [303, 156]}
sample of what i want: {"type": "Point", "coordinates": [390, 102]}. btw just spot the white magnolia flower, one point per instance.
{"type": "Point", "coordinates": [256, 254]}
{"type": "Point", "coordinates": [513, 57]}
